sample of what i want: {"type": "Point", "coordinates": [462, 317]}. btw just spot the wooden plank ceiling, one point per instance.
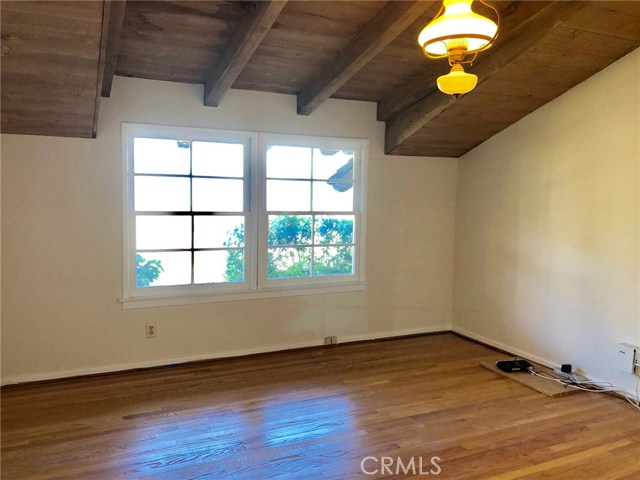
{"type": "Point", "coordinates": [58, 57]}
{"type": "Point", "coordinates": [50, 64]}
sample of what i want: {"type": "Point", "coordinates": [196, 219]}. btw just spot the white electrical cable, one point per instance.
{"type": "Point", "coordinates": [597, 387]}
{"type": "Point", "coordinates": [573, 381]}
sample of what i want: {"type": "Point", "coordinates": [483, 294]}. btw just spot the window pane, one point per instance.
{"type": "Point", "coordinates": [289, 262]}
{"type": "Point", "coordinates": [333, 164]}
{"type": "Point", "coordinates": [334, 229]}
{"type": "Point", "coordinates": [333, 261]}
{"type": "Point", "coordinates": [217, 195]}
{"type": "Point", "coordinates": [155, 231]}
{"type": "Point", "coordinates": [288, 195]}
{"type": "Point", "coordinates": [219, 266]}
{"type": "Point", "coordinates": [337, 197]}
{"type": "Point", "coordinates": [289, 229]}
{"type": "Point", "coordinates": [288, 162]}
{"type": "Point", "coordinates": [218, 232]}
{"type": "Point", "coordinates": [161, 194]}
{"type": "Point", "coordinates": [151, 155]}
{"type": "Point", "coordinates": [218, 159]}
{"type": "Point", "coordinates": [154, 269]}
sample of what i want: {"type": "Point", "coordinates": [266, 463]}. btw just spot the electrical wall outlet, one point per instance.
{"type": "Point", "coordinates": [152, 332]}
{"type": "Point", "coordinates": [330, 340]}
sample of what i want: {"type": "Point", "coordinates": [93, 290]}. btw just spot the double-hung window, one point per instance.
{"type": "Point", "coordinates": [312, 214]}
{"type": "Point", "coordinates": [219, 215]}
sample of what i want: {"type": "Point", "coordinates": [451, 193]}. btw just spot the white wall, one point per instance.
{"type": "Point", "coordinates": [62, 244]}
{"type": "Point", "coordinates": [547, 231]}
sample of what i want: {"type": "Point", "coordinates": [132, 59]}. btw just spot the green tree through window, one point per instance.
{"type": "Point", "coordinates": [235, 258]}
{"type": "Point", "coordinates": [147, 271]}
{"type": "Point", "coordinates": [286, 230]}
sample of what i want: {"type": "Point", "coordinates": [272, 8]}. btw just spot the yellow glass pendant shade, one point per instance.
{"type": "Point", "coordinates": [457, 82]}
{"type": "Point", "coordinates": [457, 29]}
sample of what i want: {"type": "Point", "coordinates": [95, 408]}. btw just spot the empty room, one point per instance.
{"type": "Point", "coordinates": [254, 240]}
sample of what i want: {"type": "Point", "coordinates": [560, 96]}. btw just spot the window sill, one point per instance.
{"type": "Point", "coordinates": [175, 300]}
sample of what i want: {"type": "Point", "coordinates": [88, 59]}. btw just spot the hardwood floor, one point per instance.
{"type": "Point", "coordinates": [316, 414]}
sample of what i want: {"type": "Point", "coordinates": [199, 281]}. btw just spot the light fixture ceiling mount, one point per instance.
{"type": "Point", "coordinates": [459, 34]}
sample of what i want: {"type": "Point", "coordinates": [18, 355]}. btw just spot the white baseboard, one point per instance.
{"type": "Point", "coordinates": [507, 348]}
{"type": "Point", "coordinates": [396, 333]}
{"type": "Point", "coordinates": [39, 377]}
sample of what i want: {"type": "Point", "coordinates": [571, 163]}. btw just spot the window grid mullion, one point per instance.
{"type": "Point", "coordinates": [313, 250]}
{"type": "Point", "coordinates": [310, 212]}
{"type": "Point", "coordinates": [201, 249]}
{"type": "Point", "coordinates": [193, 221]}
{"type": "Point", "coordinates": [185, 213]}
{"type": "Point", "coordinates": [313, 260]}
{"type": "Point", "coordinates": [282, 179]}
{"type": "Point", "coordinates": [181, 175]}
{"type": "Point", "coordinates": [297, 245]}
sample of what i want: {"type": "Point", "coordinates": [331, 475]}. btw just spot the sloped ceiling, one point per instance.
{"type": "Point", "coordinates": [58, 57]}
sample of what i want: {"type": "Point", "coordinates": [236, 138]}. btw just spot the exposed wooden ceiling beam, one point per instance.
{"type": "Point", "coordinates": [102, 62]}
{"type": "Point", "coordinates": [244, 42]}
{"type": "Point", "coordinates": [116, 20]}
{"type": "Point", "coordinates": [408, 122]}
{"type": "Point", "coordinates": [410, 92]}
{"type": "Point", "coordinates": [393, 19]}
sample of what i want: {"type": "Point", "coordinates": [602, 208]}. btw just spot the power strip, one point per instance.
{"type": "Point", "coordinates": [560, 373]}
{"type": "Point", "coordinates": [572, 377]}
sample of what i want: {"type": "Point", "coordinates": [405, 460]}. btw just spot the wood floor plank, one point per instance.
{"type": "Point", "coordinates": [315, 414]}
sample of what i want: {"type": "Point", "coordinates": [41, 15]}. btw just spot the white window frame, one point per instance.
{"type": "Point", "coordinates": [256, 284]}
{"type": "Point", "coordinates": [358, 148]}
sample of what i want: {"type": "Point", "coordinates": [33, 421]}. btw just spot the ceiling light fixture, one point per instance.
{"type": "Point", "coordinates": [458, 33]}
